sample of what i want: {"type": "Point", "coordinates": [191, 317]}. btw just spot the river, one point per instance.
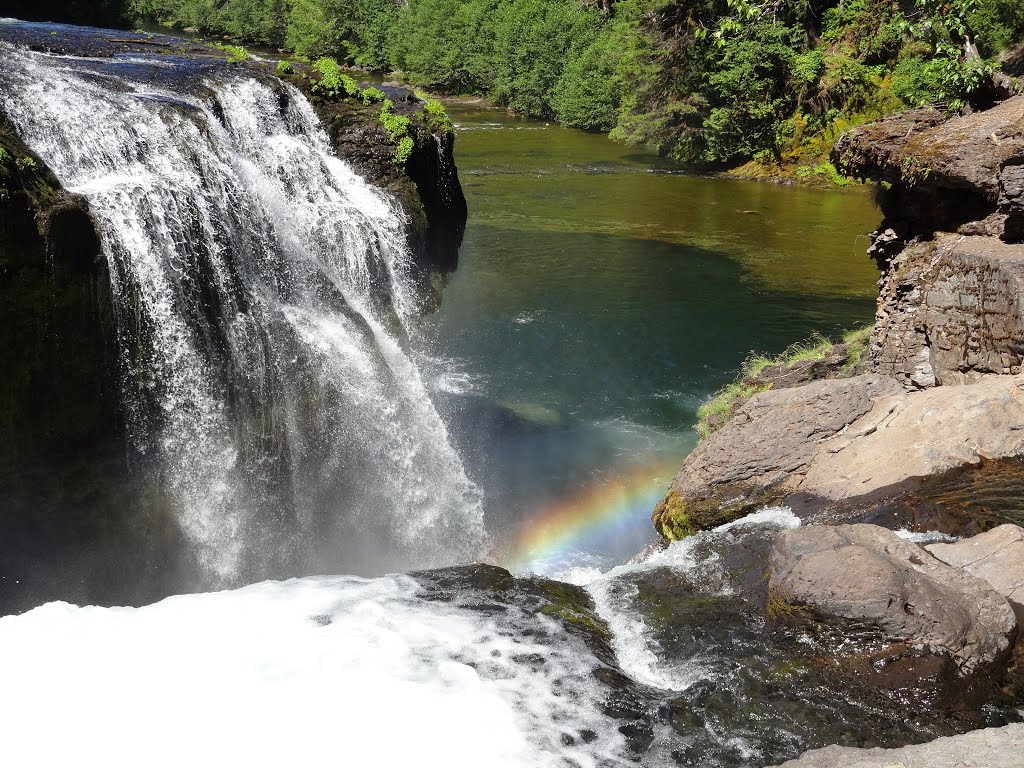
{"type": "Point", "coordinates": [601, 296]}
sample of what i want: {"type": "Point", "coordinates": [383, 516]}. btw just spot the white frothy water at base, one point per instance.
{"type": "Point", "coordinates": [634, 647]}
{"type": "Point", "coordinates": [308, 672]}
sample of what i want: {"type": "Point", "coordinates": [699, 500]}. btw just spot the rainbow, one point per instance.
{"type": "Point", "coordinates": [593, 520]}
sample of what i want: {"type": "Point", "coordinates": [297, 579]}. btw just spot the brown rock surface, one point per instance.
{"type": "Point", "coordinates": [869, 574]}
{"type": "Point", "coordinates": [842, 439]}
{"type": "Point", "coordinates": [945, 172]}
{"type": "Point", "coordinates": [951, 310]}
{"type": "Point", "coordinates": [997, 556]}
{"type": "Point", "coordinates": [986, 748]}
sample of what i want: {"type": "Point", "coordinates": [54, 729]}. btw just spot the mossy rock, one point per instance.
{"type": "Point", "coordinates": [677, 517]}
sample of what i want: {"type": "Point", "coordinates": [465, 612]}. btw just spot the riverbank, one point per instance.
{"type": "Point", "coordinates": [716, 86]}
{"type": "Point", "coordinates": [919, 431]}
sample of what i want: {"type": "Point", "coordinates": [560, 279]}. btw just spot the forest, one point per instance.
{"type": "Point", "coordinates": [710, 83]}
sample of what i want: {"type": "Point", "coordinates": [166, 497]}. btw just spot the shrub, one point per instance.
{"type": "Point", "coordinates": [234, 52]}
{"type": "Point", "coordinates": [333, 83]}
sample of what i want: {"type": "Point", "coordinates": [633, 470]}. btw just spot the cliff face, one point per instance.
{"type": "Point", "coordinates": [62, 452]}
{"type": "Point", "coordinates": [950, 300]}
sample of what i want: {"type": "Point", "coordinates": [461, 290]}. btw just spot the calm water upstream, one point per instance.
{"type": "Point", "coordinates": [600, 297]}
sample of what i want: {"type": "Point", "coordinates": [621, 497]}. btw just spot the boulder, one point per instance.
{"type": "Point", "coordinates": [997, 556]}
{"type": "Point", "coordinates": [870, 575]}
{"type": "Point", "coordinates": [986, 748]}
{"type": "Point", "coordinates": [840, 440]}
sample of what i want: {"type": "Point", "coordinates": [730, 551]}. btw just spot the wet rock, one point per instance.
{"type": "Point", "coordinates": [997, 556]}
{"type": "Point", "coordinates": [987, 748]}
{"type": "Point", "coordinates": [840, 440]}
{"type": "Point", "coordinates": [868, 574]}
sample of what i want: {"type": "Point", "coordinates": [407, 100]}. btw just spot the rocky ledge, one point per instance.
{"type": "Point", "coordinates": [924, 431]}
{"type": "Point", "coordinates": [940, 385]}
{"type": "Point", "coordinates": [987, 748]}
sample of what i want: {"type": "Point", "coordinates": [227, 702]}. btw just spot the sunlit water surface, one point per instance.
{"type": "Point", "coordinates": [601, 296]}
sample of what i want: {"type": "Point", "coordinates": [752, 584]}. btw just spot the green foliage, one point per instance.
{"type": "Point", "coordinates": [437, 117]}
{"type": "Point", "coordinates": [285, 68]}
{"type": "Point", "coordinates": [397, 129]}
{"type": "Point", "coordinates": [4, 156]}
{"type": "Point", "coordinates": [29, 163]}
{"type": "Point", "coordinates": [332, 82]}
{"type": "Point", "coordinates": [396, 126]}
{"type": "Point", "coordinates": [713, 414]}
{"type": "Point", "coordinates": [319, 28]}
{"type": "Point", "coordinates": [234, 52]}
{"type": "Point", "coordinates": [403, 150]}
{"type": "Point", "coordinates": [711, 83]}
{"type": "Point", "coordinates": [371, 95]}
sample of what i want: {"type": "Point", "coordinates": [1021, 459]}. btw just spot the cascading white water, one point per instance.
{"type": "Point", "coordinates": [261, 291]}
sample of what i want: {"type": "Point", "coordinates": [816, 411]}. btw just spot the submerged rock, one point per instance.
{"type": "Point", "coordinates": [987, 748]}
{"type": "Point", "coordinates": [868, 574]}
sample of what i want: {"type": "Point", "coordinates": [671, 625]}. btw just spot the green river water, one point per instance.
{"type": "Point", "coordinates": [602, 295]}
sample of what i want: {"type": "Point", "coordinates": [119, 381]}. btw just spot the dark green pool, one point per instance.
{"type": "Point", "coordinates": [602, 295]}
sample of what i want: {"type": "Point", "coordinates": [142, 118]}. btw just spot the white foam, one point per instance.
{"type": "Point", "coordinates": [315, 671]}
{"type": "Point", "coordinates": [924, 537]}
{"type": "Point", "coordinates": [635, 648]}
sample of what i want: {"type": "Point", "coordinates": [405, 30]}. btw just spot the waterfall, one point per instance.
{"type": "Point", "coordinates": [262, 293]}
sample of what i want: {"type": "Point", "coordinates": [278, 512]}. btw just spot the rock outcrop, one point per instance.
{"type": "Point", "coordinates": [944, 172]}
{"type": "Point", "coordinates": [946, 350]}
{"type": "Point", "coordinates": [997, 556]}
{"type": "Point", "coordinates": [426, 185]}
{"type": "Point", "coordinates": [949, 305]}
{"type": "Point", "coordinates": [870, 575]}
{"type": "Point", "coordinates": [840, 440]}
{"type": "Point", "coordinates": [987, 748]}
{"type": "Point", "coordinates": [950, 310]}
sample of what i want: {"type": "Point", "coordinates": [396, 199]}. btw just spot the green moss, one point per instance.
{"type": "Point", "coordinates": [568, 605]}
{"type": "Point", "coordinates": [782, 607]}
{"type": "Point", "coordinates": [234, 52]}
{"type": "Point", "coordinates": [676, 517]}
